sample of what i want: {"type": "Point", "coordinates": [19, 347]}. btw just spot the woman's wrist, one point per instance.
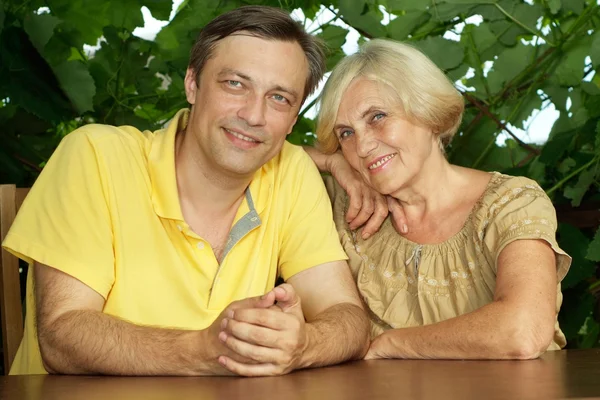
{"type": "Point", "coordinates": [333, 161]}
{"type": "Point", "coordinates": [320, 159]}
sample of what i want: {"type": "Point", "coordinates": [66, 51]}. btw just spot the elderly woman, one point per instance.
{"type": "Point", "coordinates": [477, 275]}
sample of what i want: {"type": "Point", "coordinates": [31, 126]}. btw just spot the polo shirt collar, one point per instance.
{"type": "Point", "coordinates": [161, 160]}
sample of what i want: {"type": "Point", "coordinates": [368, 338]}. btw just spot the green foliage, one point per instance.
{"type": "Point", "coordinates": [404, 25]}
{"type": "Point", "coordinates": [447, 54]}
{"type": "Point", "coordinates": [574, 242]}
{"type": "Point", "coordinates": [593, 252]}
{"type": "Point", "coordinates": [364, 19]}
{"type": "Point", "coordinates": [511, 59]}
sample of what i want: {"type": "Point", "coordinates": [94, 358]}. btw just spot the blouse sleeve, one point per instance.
{"type": "Point", "coordinates": [521, 210]}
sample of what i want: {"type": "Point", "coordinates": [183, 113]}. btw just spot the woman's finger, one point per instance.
{"type": "Point", "coordinates": [366, 210]}
{"type": "Point", "coordinates": [399, 219]}
{"type": "Point", "coordinates": [377, 218]}
{"type": "Point", "coordinates": [355, 206]}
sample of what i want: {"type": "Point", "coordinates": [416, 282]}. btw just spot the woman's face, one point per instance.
{"type": "Point", "coordinates": [387, 149]}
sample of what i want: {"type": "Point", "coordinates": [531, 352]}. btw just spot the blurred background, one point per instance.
{"type": "Point", "coordinates": [526, 69]}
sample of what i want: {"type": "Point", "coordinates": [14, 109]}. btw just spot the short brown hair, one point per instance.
{"type": "Point", "coordinates": [266, 23]}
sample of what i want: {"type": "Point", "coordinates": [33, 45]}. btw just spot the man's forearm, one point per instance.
{"type": "Point", "coordinates": [491, 332]}
{"type": "Point", "coordinates": [90, 342]}
{"type": "Point", "coordinates": [338, 334]}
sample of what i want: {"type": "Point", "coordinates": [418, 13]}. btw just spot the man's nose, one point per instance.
{"type": "Point", "coordinates": [253, 110]}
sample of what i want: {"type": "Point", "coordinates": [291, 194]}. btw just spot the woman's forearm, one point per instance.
{"type": "Point", "coordinates": [321, 160]}
{"type": "Point", "coordinates": [495, 331]}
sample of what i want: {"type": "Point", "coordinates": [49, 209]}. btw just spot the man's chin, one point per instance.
{"type": "Point", "coordinates": [240, 170]}
{"type": "Point", "coordinates": [245, 163]}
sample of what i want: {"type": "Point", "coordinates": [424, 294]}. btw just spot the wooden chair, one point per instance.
{"type": "Point", "coordinates": [11, 308]}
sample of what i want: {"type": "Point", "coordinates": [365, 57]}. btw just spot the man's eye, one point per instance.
{"type": "Point", "coordinates": [279, 98]}
{"type": "Point", "coordinates": [234, 83]}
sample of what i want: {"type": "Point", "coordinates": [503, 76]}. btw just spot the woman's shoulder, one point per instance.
{"type": "Point", "coordinates": [502, 189]}
{"type": "Point", "coordinates": [500, 182]}
{"type": "Point", "coordinates": [513, 200]}
{"type": "Point", "coordinates": [516, 207]}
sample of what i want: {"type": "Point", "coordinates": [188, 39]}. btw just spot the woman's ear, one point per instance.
{"type": "Point", "coordinates": [441, 142]}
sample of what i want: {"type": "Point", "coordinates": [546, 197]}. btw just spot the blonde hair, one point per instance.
{"type": "Point", "coordinates": [424, 92]}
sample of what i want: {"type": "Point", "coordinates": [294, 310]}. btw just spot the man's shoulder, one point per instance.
{"type": "Point", "coordinates": [292, 158]}
{"type": "Point", "coordinates": [97, 134]}
{"type": "Point", "coordinates": [292, 168]}
{"type": "Point", "coordinates": [291, 173]}
{"type": "Point", "coordinates": [107, 140]}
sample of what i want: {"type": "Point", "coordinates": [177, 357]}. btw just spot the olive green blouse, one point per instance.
{"type": "Point", "coordinates": [408, 284]}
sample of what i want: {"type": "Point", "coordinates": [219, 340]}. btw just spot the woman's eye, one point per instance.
{"type": "Point", "coordinates": [378, 116]}
{"type": "Point", "coordinates": [344, 134]}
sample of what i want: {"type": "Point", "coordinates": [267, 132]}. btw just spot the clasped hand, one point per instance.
{"type": "Point", "coordinates": [266, 337]}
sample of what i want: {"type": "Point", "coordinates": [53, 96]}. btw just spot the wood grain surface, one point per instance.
{"type": "Point", "coordinates": [557, 375]}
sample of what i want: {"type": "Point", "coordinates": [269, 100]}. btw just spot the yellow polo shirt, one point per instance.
{"type": "Point", "coordinates": [105, 210]}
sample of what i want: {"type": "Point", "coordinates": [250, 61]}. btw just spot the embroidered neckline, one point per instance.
{"type": "Point", "coordinates": [461, 235]}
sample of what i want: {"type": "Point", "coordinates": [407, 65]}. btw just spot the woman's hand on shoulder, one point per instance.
{"type": "Point", "coordinates": [367, 207]}
{"type": "Point", "coordinates": [398, 217]}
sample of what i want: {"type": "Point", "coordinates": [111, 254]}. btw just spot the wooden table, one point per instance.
{"type": "Point", "coordinates": [564, 374]}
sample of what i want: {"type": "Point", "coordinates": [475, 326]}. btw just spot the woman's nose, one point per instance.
{"type": "Point", "coordinates": [365, 144]}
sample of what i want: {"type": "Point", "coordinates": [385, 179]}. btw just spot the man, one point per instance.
{"type": "Point", "coordinates": [157, 253]}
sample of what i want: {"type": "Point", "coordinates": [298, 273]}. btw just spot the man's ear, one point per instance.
{"type": "Point", "coordinates": [291, 128]}
{"type": "Point", "coordinates": [191, 87]}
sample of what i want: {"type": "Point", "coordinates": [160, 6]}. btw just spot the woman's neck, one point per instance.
{"type": "Point", "coordinates": [438, 202]}
{"type": "Point", "coordinates": [430, 191]}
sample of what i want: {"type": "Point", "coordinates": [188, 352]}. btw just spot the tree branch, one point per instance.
{"type": "Point", "coordinates": [28, 163]}
{"type": "Point", "coordinates": [308, 107]}
{"type": "Point", "coordinates": [466, 131]}
{"type": "Point", "coordinates": [526, 159]}
{"type": "Point", "coordinates": [571, 175]}
{"type": "Point", "coordinates": [500, 124]}
{"type": "Point", "coordinates": [525, 72]}
{"type": "Point", "coordinates": [522, 25]}
{"type": "Point", "coordinates": [312, 32]}
{"type": "Point", "coordinates": [479, 63]}
{"type": "Point", "coordinates": [588, 71]}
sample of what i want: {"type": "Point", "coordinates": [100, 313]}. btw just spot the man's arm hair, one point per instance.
{"type": "Point", "coordinates": [76, 337]}
{"type": "Point", "coordinates": [337, 325]}
{"type": "Point", "coordinates": [338, 334]}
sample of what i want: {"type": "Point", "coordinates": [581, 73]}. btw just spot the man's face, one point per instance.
{"type": "Point", "coordinates": [245, 103]}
